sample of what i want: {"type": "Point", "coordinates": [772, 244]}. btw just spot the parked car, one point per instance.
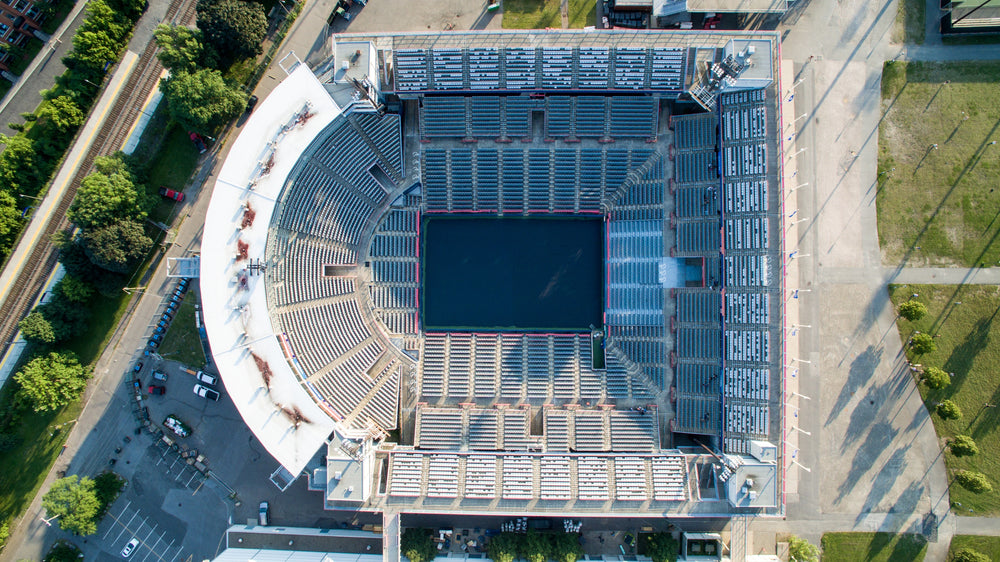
{"type": "Point", "coordinates": [160, 376]}
{"type": "Point", "coordinates": [130, 547]}
{"type": "Point", "coordinates": [163, 323]}
{"type": "Point", "coordinates": [264, 514]}
{"type": "Point", "coordinates": [167, 315]}
{"type": "Point", "coordinates": [206, 392]}
{"type": "Point", "coordinates": [157, 338]}
{"type": "Point", "coordinates": [199, 142]}
{"type": "Point", "coordinates": [152, 344]}
{"type": "Point", "coordinates": [138, 367]}
{"type": "Point", "coordinates": [184, 282]}
{"type": "Point", "coordinates": [171, 194]}
{"type": "Point", "coordinates": [251, 103]}
{"type": "Point", "coordinates": [157, 389]}
{"type": "Point", "coordinates": [171, 307]}
{"type": "Point", "coordinates": [205, 377]}
{"type": "Point", "coordinates": [159, 329]}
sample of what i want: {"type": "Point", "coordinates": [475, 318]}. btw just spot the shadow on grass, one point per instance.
{"type": "Point", "coordinates": [964, 355]}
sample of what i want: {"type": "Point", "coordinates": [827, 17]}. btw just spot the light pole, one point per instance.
{"type": "Point", "coordinates": [48, 522]}
{"type": "Point", "coordinates": [799, 465]}
{"type": "Point", "coordinates": [800, 395]}
{"type": "Point", "coordinates": [800, 151]}
{"type": "Point", "coordinates": [796, 188]}
{"type": "Point", "coordinates": [800, 430]}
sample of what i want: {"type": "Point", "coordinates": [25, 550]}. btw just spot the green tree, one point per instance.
{"type": "Point", "coordinates": [53, 380]}
{"type": "Point", "coordinates": [935, 378]}
{"type": "Point", "coordinates": [21, 168]}
{"type": "Point", "coordinates": [922, 344]}
{"type": "Point", "coordinates": [949, 410]}
{"type": "Point", "coordinates": [180, 47]}
{"type": "Point", "coordinates": [105, 199]}
{"type": "Point", "coordinates": [503, 547]}
{"type": "Point", "coordinates": [7, 442]}
{"type": "Point", "coordinates": [93, 49]}
{"type": "Point", "coordinates": [536, 547]}
{"type": "Point", "coordinates": [62, 114]}
{"type": "Point", "coordinates": [118, 247]}
{"type": "Point", "coordinates": [66, 318]}
{"type": "Point", "coordinates": [74, 289]}
{"type": "Point", "coordinates": [963, 446]}
{"type": "Point", "coordinates": [11, 221]}
{"type": "Point", "coordinates": [131, 10]}
{"type": "Point", "coordinates": [975, 482]}
{"type": "Point", "coordinates": [202, 101]}
{"type": "Point", "coordinates": [232, 29]}
{"type": "Point", "coordinates": [566, 547]}
{"type": "Point", "coordinates": [63, 551]}
{"type": "Point", "coordinates": [801, 550]}
{"type": "Point", "coordinates": [35, 328]}
{"type": "Point", "coordinates": [969, 555]}
{"type": "Point", "coordinates": [912, 310]}
{"type": "Point", "coordinates": [107, 486]}
{"type": "Point", "coordinates": [417, 545]}
{"type": "Point", "coordinates": [661, 547]}
{"type": "Point", "coordinates": [75, 502]}
{"type": "Point", "coordinates": [74, 258]}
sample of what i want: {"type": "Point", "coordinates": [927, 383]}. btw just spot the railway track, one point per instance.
{"type": "Point", "coordinates": [30, 280]}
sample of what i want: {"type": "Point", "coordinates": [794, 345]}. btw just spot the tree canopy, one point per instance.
{"type": "Point", "coordinates": [74, 289]}
{"type": "Point", "coordinates": [417, 545]}
{"type": "Point", "coordinates": [949, 410]}
{"type": "Point", "coordinates": [104, 199]}
{"type": "Point", "coordinates": [566, 547]}
{"type": "Point", "coordinates": [52, 380]}
{"type": "Point", "coordinates": [922, 344]}
{"type": "Point", "coordinates": [36, 329]}
{"type": "Point", "coordinates": [20, 167]}
{"type": "Point", "coordinates": [202, 101]}
{"type": "Point", "coordinates": [503, 547]}
{"type": "Point", "coordinates": [969, 555]}
{"type": "Point", "coordinates": [936, 378]}
{"type": "Point", "coordinates": [963, 446]}
{"type": "Point", "coordinates": [975, 482]}
{"type": "Point", "coordinates": [536, 547]}
{"type": "Point", "coordinates": [232, 29]}
{"type": "Point", "coordinates": [801, 550]}
{"type": "Point", "coordinates": [117, 247]}
{"type": "Point", "coordinates": [74, 258]}
{"type": "Point", "coordinates": [661, 547]}
{"type": "Point", "coordinates": [62, 114]}
{"type": "Point", "coordinates": [912, 310]}
{"type": "Point", "coordinates": [74, 500]}
{"type": "Point", "coordinates": [180, 47]}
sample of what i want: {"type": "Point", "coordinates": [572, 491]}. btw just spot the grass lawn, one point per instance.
{"type": "Point", "coordinates": [582, 13]}
{"type": "Point", "coordinates": [963, 317]}
{"type": "Point", "coordinates": [23, 468]}
{"type": "Point", "coordinates": [938, 206]}
{"type": "Point", "coordinates": [182, 342]}
{"type": "Point", "coordinates": [990, 546]}
{"type": "Point", "coordinates": [171, 166]}
{"type": "Point", "coordinates": [873, 547]}
{"type": "Point", "coordinates": [532, 14]}
{"type": "Point", "coordinates": [911, 20]}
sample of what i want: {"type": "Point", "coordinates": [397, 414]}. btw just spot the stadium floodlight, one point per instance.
{"type": "Point", "coordinates": [800, 430]}
{"type": "Point", "coordinates": [796, 153]}
{"type": "Point", "coordinates": [793, 461]}
{"type": "Point", "coordinates": [800, 395]}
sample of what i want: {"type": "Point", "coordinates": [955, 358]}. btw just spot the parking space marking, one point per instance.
{"type": "Point", "coordinates": [112, 528]}
{"type": "Point", "coordinates": [148, 541]}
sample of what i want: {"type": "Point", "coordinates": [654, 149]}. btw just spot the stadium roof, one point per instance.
{"type": "Point", "coordinates": [236, 319]}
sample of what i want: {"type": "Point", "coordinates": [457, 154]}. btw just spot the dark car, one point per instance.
{"type": "Point", "coordinates": [153, 344]}
{"type": "Point", "coordinates": [184, 282]}
{"type": "Point", "coordinates": [181, 287]}
{"type": "Point", "coordinates": [163, 323]}
{"type": "Point", "coordinates": [171, 194]}
{"type": "Point", "coordinates": [157, 337]}
{"type": "Point", "coordinates": [157, 389]}
{"type": "Point", "coordinates": [198, 142]}
{"type": "Point", "coordinates": [138, 367]}
{"type": "Point", "coordinates": [171, 307]}
{"type": "Point", "coordinates": [159, 330]}
{"type": "Point", "coordinates": [251, 103]}
{"type": "Point", "coordinates": [167, 315]}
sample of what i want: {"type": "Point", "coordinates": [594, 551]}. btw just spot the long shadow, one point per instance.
{"type": "Point", "coordinates": [883, 482]}
{"type": "Point", "coordinates": [953, 131]}
{"type": "Point", "coordinates": [877, 440]}
{"type": "Point", "coordinates": [964, 354]}
{"type": "Point", "coordinates": [934, 97]}
{"type": "Point", "coordinates": [987, 419]}
{"type": "Point", "coordinates": [862, 369]}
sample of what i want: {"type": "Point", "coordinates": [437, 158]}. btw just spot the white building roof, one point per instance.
{"type": "Point", "coordinates": [236, 319]}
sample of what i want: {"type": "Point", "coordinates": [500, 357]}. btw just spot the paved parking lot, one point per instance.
{"type": "Point", "coordinates": [127, 522]}
{"type": "Point", "coordinates": [177, 468]}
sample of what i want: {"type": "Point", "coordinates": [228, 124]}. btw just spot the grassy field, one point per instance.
{"type": "Point", "coordinates": [873, 547]}
{"type": "Point", "coordinates": [182, 342]}
{"type": "Point", "coordinates": [531, 14]}
{"type": "Point", "coordinates": [990, 546]}
{"type": "Point", "coordinates": [911, 22]}
{"type": "Point", "coordinates": [171, 167]}
{"type": "Point", "coordinates": [968, 347]}
{"type": "Point", "coordinates": [937, 206]}
{"type": "Point", "coordinates": [582, 13]}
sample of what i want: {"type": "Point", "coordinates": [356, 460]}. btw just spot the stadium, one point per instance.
{"type": "Point", "coordinates": [511, 273]}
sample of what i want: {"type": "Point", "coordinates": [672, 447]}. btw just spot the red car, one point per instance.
{"type": "Point", "coordinates": [171, 194]}
{"type": "Point", "coordinates": [157, 389]}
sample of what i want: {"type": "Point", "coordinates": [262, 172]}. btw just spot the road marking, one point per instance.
{"type": "Point", "coordinates": [112, 527]}
{"type": "Point", "coordinates": [188, 485]}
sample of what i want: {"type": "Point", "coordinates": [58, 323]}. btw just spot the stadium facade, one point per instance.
{"type": "Point", "coordinates": [311, 273]}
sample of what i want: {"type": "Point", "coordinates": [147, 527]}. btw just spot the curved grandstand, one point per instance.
{"type": "Point", "coordinates": [312, 272]}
